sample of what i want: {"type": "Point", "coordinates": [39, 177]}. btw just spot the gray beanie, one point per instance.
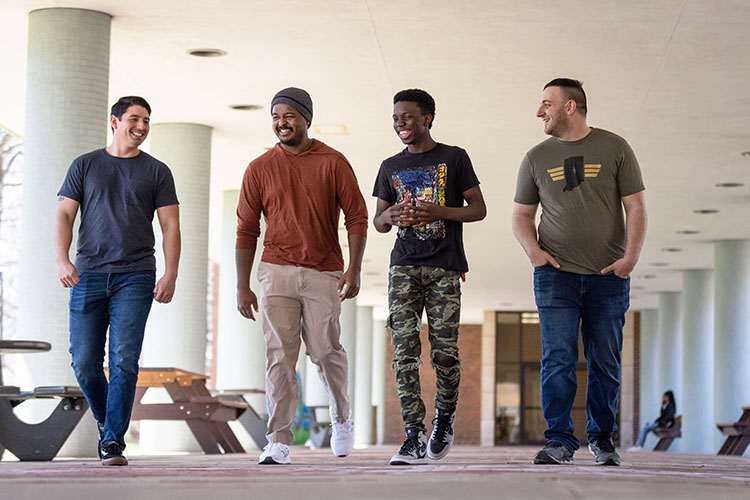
{"type": "Point", "coordinates": [296, 98]}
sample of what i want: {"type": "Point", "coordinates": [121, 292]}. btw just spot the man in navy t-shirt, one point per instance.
{"type": "Point", "coordinates": [427, 191]}
{"type": "Point", "coordinates": [113, 281]}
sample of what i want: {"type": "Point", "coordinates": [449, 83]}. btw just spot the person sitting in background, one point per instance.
{"type": "Point", "coordinates": [666, 419]}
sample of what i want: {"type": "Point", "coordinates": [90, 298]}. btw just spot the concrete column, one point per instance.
{"type": "Point", "coordinates": [650, 391]}
{"type": "Point", "coordinates": [670, 344]}
{"type": "Point", "coordinates": [314, 392]}
{"type": "Point", "coordinates": [363, 419]}
{"type": "Point", "coordinates": [670, 347]}
{"type": "Point", "coordinates": [379, 339]}
{"type": "Point", "coordinates": [241, 357]}
{"type": "Point", "coordinates": [731, 332]}
{"type": "Point", "coordinates": [348, 321]}
{"type": "Point", "coordinates": [67, 85]}
{"type": "Point", "coordinates": [697, 361]}
{"type": "Point", "coordinates": [489, 380]}
{"type": "Point", "coordinates": [627, 386]}
{"type": "Point", "coordinates": [176, 332]}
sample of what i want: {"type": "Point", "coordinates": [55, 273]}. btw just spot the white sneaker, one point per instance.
{"type": "Point", "coordinates": [635, 448]}
{"type": "Point", "coordinates": [342, 438]}
{"type": "Point", "coordinates": [275, 453]}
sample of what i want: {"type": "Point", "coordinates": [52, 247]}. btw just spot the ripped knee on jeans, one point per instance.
{"type": "Point", "coordinates": [442, 360]}
{"type": "Point", "coordinates": [406, 364]}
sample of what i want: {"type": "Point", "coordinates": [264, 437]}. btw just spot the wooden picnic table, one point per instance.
{"type": "Point", "coordinates": [207, 415]}
{"type": "Point", "coordinates": [738, 434]}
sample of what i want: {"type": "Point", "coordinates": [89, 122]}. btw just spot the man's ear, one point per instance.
{"type": "Point", "coordinates": [113, 122]}
{"type": "Point", "coordinates": [571, 107]}
{"type": "Point", "coordinates": [428, 120]}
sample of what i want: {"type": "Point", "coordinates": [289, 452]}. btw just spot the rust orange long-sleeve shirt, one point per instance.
{"type": "Point", "coordinates": [300, 198]}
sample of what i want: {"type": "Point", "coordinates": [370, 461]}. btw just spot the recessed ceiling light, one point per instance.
{"type": "Point", "coordinates": [505, 304]}
{"type": "Point", "coordinates": [671, 249]}
{"type": "Point", "coordinates": [331, 129]}
{"type": "Point", "coordinates": [659, 264]}
{"type": "Point", "coordinates": [206, 52]}
{"type": "Point", "coordinates": [729, 185]}
{"type": "Point", "coordinates": [246, 107]}
{"type": "Point", "coordinates": [688, 231]}
{"type": "Point", "coordinates": [648, 276]}
{"type": "Point", "coordinates": [706, 211]}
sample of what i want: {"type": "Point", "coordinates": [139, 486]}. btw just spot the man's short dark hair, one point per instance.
{"type": "Point", "coordinates": [424, 100]}
{"type": "Point", "coordinates": [572, 90]}
{"type": "Point", "coordinates": [123, 103]}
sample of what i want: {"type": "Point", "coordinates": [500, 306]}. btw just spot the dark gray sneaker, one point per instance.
{"type": "Point", "coordinates": [604, 450]}
{"type": "Point", "coordinates": [111, 453]}
{"type": "Point", "coordinates": [554, 453]}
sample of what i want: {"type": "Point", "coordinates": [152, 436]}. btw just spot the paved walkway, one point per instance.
{"type": "Point", "coordinates": [467, 473]}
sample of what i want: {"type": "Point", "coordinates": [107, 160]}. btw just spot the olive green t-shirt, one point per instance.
{"type": "Point", "coordinates": [579, 185]}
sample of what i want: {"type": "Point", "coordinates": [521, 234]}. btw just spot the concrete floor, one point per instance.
{"type": "Point", "coordinates": [467, 473]}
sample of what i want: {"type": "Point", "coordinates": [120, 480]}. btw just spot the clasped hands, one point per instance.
{"type": "Point", "coordinates": [413, 212]}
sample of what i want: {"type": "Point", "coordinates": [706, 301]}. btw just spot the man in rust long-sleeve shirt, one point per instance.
{"type": "Point", "coordinates": [300, 186]}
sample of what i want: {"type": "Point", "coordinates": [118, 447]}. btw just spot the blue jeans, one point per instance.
{"type": "Point", "coordinates": [644, 432]}
{"type": "Point", "coordinates": [120, 302]}
{"type": "Point", "coordinates": [598, 304]}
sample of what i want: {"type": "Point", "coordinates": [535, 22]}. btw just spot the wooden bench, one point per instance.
{"type": "Point", "coordinates": [255, 425]}
{"type": "Point", "coordinates": [40, 441]}
{"type": "Point", "coordinates": [668, 434]}
{"type": "Point", "coordinates": [205, 415]}
{"type": "Point", "coordinates": [738, 434]}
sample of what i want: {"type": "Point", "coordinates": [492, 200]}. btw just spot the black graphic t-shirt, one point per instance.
{"type": "Point", "coordinates": [580, 185]}
{"type": "Point", "coordinates": [439, 176]}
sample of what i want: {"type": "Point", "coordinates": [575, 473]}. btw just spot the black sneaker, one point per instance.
{"type": "Point", "coordinates": [414, 449]}
{"type": "Point", "coordinates": [604, 450]}
{"type": "Point", "coordinates": [442, 434]}
{"type": "Point", "coordinates": [111, 453]}
{"type": "Point", "coordinates": [100, 427]}
{"type": "Point", "coordinates": [554, 453]}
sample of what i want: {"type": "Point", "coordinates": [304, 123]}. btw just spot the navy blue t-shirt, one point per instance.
{"type": "Point", "coordinates": [440, 175]}
{"type": "Point", "coordinates": [118, 198]}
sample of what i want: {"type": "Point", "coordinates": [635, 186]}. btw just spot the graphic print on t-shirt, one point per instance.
{"type": "Point", "coordinates": [425, 184]}
{"type": "Point", "coordinates": [574, 171]}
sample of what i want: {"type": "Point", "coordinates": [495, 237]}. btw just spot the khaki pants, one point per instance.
{"type": "Point", "coordinates": [299, 302]}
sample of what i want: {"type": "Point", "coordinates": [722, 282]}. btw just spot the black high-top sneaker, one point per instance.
{"type": "Point", "coordinates": [442, 434]}
{"type": "Point", "coordinates": [414, 449]}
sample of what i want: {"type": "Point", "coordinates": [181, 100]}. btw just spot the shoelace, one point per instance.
{"type": "Point", "coordinates": [341, 427]}
{"type": "Point", "coordinates": [442, 426]}
{"type": "Point", "coordinates": [411, 444]}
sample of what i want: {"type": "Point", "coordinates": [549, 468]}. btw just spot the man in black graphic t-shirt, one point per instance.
{"type": "Point", "coordinates": [422, 191]}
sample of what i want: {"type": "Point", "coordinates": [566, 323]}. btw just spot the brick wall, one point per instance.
{"type": "Point", "coordinates": [467, 412]}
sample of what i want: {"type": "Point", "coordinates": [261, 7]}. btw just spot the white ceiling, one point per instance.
{"type": "Point", "coordinates": [671, 76]}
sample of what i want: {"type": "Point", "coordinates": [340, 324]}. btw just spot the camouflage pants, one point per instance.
{"type": "Point", "coordinates": [412, 289]}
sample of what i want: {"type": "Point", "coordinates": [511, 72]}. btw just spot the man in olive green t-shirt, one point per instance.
{"type": "Point", "coordinates": [582, 259]}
